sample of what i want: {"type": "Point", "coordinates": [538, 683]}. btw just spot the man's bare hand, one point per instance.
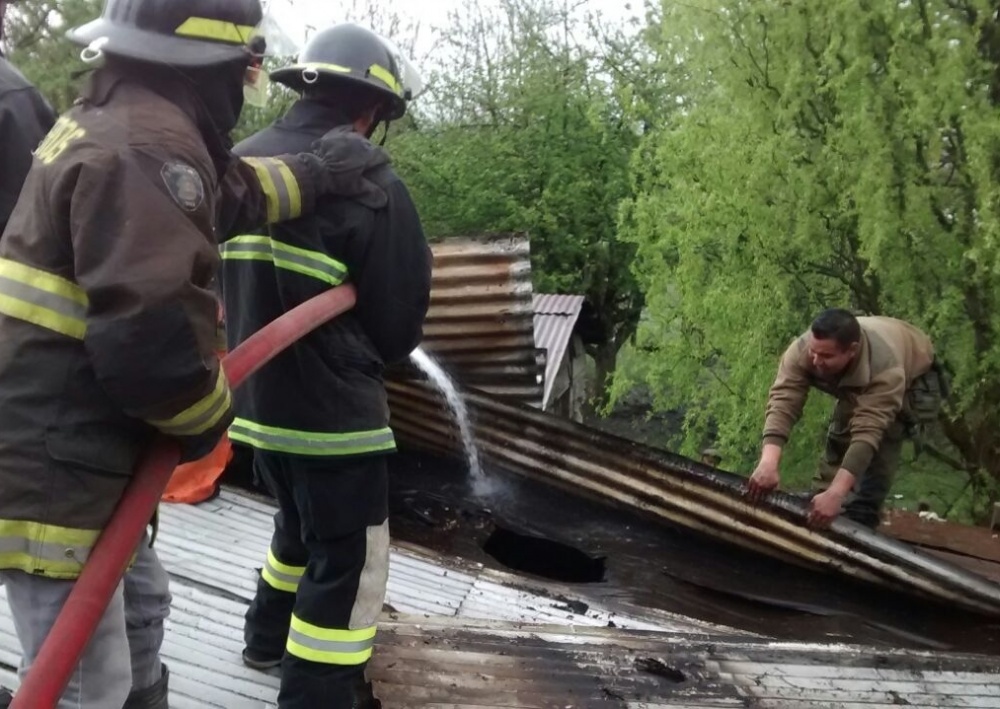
{"type": "Point", "coordinates": [824, 508]}
{"type": "Point", "coordinates": [764, 480]}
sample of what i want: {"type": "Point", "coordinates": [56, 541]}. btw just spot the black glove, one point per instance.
{"type": "Point", "coordinates": [341, 163]}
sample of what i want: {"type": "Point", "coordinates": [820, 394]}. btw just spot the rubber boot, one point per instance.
{"type": "Point", "coordinates": [154, 697]}
{"type": "Point", "coordinates": [364, 698]}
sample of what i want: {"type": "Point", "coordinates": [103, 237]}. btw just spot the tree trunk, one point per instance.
{"type": "Point", "coordinates": [606, 359]}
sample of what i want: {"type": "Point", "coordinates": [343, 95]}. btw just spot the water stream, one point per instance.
{"type": "Point", "coordinates": [480, 484]}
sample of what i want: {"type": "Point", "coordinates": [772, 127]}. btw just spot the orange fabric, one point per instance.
{"type": "Point", "coordinates": [196, 481]}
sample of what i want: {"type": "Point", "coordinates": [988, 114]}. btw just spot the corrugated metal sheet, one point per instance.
{"type": "Point", "coordinates": [520, 652]}
{"type": "Point", "coordinates": [213, 551]}
{"type": "Point", "coordinates": [444, 664]}
{"type": "Point", "coordinates": [555, 318]}
{"type": "Point", "coordinates": [480, 323]}
{"type": "Point", "coordinates": [654, 482]}
{"type": "Point", "coordinates": [222, 542]}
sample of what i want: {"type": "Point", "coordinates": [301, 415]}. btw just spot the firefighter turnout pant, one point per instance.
{"type": "Point", "coordinates": [122, 658]}
{"type": "Point", "coordinates": [323, 583]}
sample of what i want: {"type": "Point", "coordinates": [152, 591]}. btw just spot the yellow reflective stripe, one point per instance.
{"type": "Point", "coordinates": [42, 298]}
{"type": "Point", "coordinates": [281, 576]}
{"type": "Point", "coordinates": [267, 186]}
{"type": "Point", "coordinates": [220, 30]}
{"type": "Point", "coordinates": [283, 440]}
{"type": "Point", "coordinates": [202, 415]}
{"type": "Point", "coordinates": [320, 66]}
{"type": "Point", "coordinates": [282, 194]}
{"type": "Point", "coordinates": [314, 264]}
{"type": "Point", "coordinates": [330, 646]}
{"type": "Point", "coordinates": [45, 549]}
{"type": "Point", "coordinates": [386, 77]}
{"type": "Point", "coordinates": [376, 70]}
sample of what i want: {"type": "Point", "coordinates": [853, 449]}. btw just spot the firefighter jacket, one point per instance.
{"type": "Point", "coordinates": [108, 317]}
{"type": "Point", "coordinates": [25, 118]}
{"type": "Point", "coordinates": [325, 396]}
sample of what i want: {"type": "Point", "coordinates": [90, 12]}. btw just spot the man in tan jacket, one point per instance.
{"type": "Point", "coordinates": [884, 376]}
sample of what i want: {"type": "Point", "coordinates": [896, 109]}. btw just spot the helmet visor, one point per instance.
{"type": "Point", "coordinates": [413, 82]}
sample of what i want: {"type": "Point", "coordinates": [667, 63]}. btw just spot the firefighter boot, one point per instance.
{"type": "Point", "coordinates": [154, 697]}
{"type": "Point", "coordinates": [363, 697]}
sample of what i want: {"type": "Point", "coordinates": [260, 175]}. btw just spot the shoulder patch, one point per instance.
{"type": "Point", "coordinates": [184, 185]}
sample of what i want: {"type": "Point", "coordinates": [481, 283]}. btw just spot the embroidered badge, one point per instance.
{"type": "Point", "coordinates": [184, 184]}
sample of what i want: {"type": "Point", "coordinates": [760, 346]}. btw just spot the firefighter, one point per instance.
{"type": "Point", "coordinates": [316, 416]}
{"type": "Point", "coordinates": [108, 313]}
{"type": "Point", "coordinates": [25, 118]}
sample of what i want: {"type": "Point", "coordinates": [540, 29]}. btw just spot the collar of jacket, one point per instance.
{"type": "Point", "coordinates": [859, 374]}
{"type": "Point", "coordinates": [105, 82]}
{"type": "Point", "coordinates": [311, 116]}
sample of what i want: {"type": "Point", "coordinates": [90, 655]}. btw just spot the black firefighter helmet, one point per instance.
{"type": "Point", "coordinates": [350, 53]}
{"type": "Point", "coordinates": [182, 33]}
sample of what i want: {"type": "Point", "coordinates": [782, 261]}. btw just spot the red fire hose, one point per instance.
{"type": "Point", "coordinates": [59, 654]}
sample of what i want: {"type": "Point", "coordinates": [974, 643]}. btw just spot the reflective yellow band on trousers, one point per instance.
{"type": "Point", "coordinates": [283, 440]}
{"type": "Point", "coordinates": [202, 415]}
{"type": "Point", "coordinates": [330, 646]}
{"type": "Point", "coordinates": [281, 190]}
{"type": "Point", "coordinates": [281, 576]}
{"type": "Point", "coordinates": [42, 298]}
{"type": "Point", "coordinates": [45, 549]}
{"type": "Point", "coordinates": [314, 264]}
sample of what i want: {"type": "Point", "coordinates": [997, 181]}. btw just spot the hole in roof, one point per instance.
{"type": "Point", "coordinates": [543, 557]}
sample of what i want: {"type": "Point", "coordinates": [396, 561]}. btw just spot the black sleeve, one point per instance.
{"type": "Point", "coordinates": [25, 118]}
{"type": "Point", "coordinates": [146, 263]}
{"type": "Point", "coordinates": [391, 269]}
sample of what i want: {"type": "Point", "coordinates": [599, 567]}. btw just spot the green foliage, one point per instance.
{"type": "Point", "coordinates": [528, 132]}
{"type": "Point", "coordinates": [836, 153]}
{"type": "Point", "coordinates": [34, 31]}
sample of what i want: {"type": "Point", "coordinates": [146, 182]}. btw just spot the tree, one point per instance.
{"type": "Point", "coordinates": [524, 131]}
{"type": "Point", "coordinates": [838, 153]}
{"type": "Point", "coordinates": [35, 34]}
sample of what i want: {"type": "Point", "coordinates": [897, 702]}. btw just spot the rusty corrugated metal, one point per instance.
{"type": "Point", "coordinates": [587, 461]}
{"type": "Point", "coordinates": [480, 325]}
{"type": "Point", "coordinates": [555, 319]}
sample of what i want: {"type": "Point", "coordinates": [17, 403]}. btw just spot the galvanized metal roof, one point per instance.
{"type": "Point", "coordinates": [213, 551]}
{"type": "Point", "coordinates": [470, 637]}
{"type": "Point", "coordinates": [555, 319]}
{"type": "Point", "coordinates": [480, 323]}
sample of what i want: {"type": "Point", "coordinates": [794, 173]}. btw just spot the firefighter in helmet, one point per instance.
{"type": "Point", "coordinates": [316, 416]}
{"type": "Point", "coordinates": [108, 314]}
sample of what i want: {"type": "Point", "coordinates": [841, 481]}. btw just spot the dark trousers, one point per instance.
{"type": "Point", "coordinates": [921, 406]}
{"type": "Point", "coordinates": [864, 505]}
{"type": "Point", "coordinates": [323, 584]}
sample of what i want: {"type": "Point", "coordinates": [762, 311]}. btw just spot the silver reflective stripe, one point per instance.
{"type": "Point", "coordinates": [308, 263]}
{"type": "Point", "coordinates": [307, 443]}
{"type": "Point", "coordinates": [44, 551]}
{"type": "Point", "coordinates": [280, 186]}
{"type": "Point", "coordinates": [289, 580]}
{"type": "Point", "coordinates": [36, 296]}
{"type": "Point", "coordinates": [330, 646]}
